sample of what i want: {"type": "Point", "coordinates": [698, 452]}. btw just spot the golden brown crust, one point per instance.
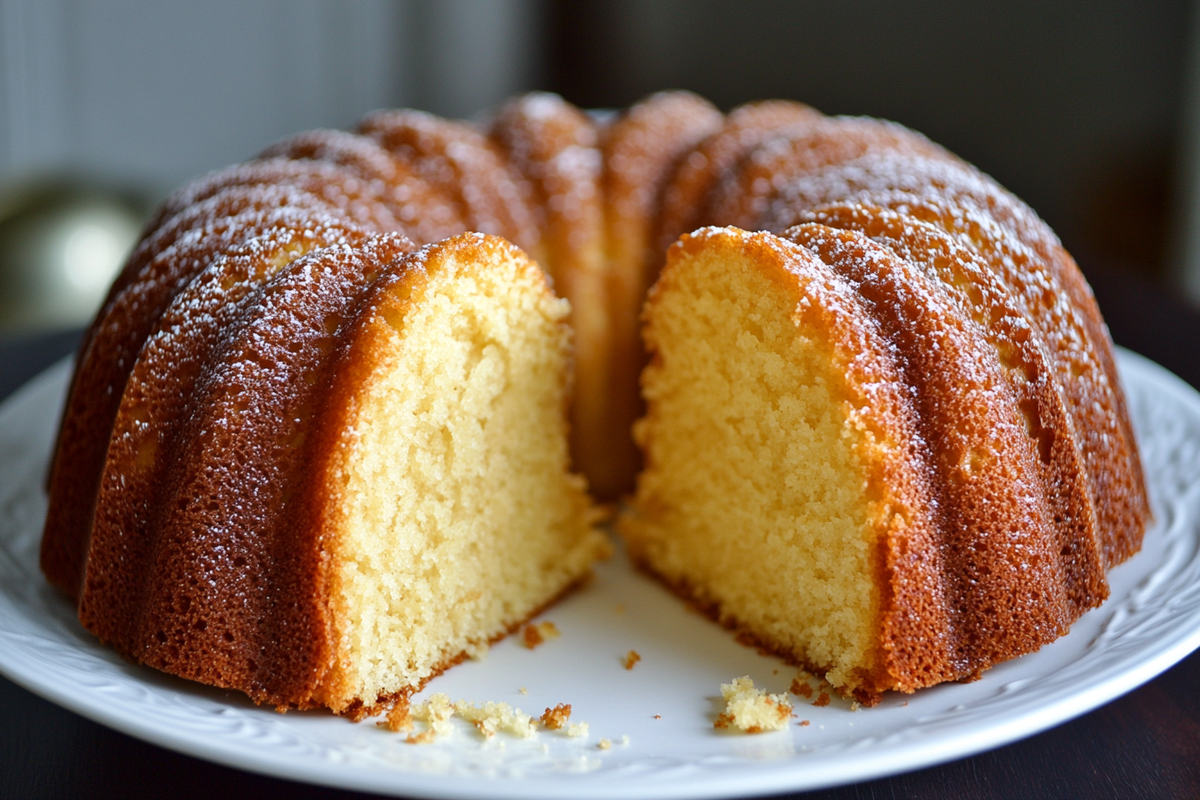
{"type": "Point", "coordinates": [980, 295]}
{"type": "Point", "coordinates": [553, 146]}
{"type": "Point", "coordinates": [962, 201]}
{"type": "Point", "coordinates": [423, 212]}
{"type": "Point", "coordinates": [110, 349]}
{"type": "Point", "coordinates": [463, 165]}
{"type": "Point", "coordinates": [357, 200]}
{"type": "Point", "coordinates": [1006, 594]}
{"type": "Point", "coordinates": [684, 198]}
{"type": "Point", "coordinates": [156, 396]}
{"type": "Point", "coordinates": [207, 225]}
{"type": "Point", "coordinates": [744, 197]}
{"type": "Point", "coordinates": [216, 217]}
{"type": "Point", "coordinates": [229, 593]}
{"type": "Point", "coordinates": [640, 148]}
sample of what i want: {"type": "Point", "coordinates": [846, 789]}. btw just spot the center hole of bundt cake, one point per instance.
{"type": "Point", "coordinates": [755, 500]}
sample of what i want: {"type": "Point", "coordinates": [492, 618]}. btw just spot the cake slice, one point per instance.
{"type": "Point", "coordinates": [371, 482]}
{"type": "Point", "coordinates": [439, 479]}
{"type": "Point", "coordinates": [780, 466]}
{"type": "Point", "coordinates": [839, 467]}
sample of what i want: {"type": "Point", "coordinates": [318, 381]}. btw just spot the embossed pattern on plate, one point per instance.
{"type": "Point", "coordinates": [1151, 621]}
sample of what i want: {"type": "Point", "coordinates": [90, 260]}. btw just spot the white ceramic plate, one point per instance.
{"type": "Point", "coordinates": [1151, 621]}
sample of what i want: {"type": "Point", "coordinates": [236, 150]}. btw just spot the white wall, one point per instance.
{"type": "Point", "coordinates": [154, 92]}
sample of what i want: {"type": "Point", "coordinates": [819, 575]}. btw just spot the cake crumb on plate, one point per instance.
{"type": "Point", "coordinates": [752, 710]}
{"type": "Point", "coordinates": [490, 717]}
{"type": "Point", "coordinates": [539, 634]}
{"type": "Point", "coordinates": [557, 717]}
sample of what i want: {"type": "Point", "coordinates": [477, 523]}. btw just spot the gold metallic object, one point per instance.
{"type": "Point", "coordinates": [61, 245]}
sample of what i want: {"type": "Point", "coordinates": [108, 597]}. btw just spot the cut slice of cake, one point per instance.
{"type": "Point", "coordinates": [837, 467]}
{"type": "Point", "coordinates": [780, 469]}
{"type": "Point", "coordinates": [371, 481]}
{"type": "Point", "coordinates": [440, 480]}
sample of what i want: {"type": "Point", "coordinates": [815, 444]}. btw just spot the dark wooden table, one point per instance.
{"type": "Point", "coordinates": [1145, 744]}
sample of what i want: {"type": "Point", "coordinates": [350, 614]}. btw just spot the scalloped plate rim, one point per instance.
{"type": "Point", "coordinates": [950, 743]}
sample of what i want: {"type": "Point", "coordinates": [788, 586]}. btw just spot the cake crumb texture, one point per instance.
{"type": "Point", "coordinates": [451, 516]}
{"type": "Point", "coordinates": [766, 457]}
{"type": "Point", "coordinates": [556, 718]}
{"type": "Point", "coordinates": [489, 718]}
{"type": "Point", "coordinates": [752, 710]}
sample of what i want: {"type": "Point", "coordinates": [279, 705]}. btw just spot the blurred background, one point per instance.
{"type": "Point", "coordinates": [1089, 111]}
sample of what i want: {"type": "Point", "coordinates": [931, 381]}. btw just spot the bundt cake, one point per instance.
{"type": "Point", "coordinates": [320, 440]}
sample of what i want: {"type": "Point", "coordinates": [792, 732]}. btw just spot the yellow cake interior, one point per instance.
{"type": "Point", "coordinates": [459, 518]}
{"type": "Point", "coordinates": [756, 500]}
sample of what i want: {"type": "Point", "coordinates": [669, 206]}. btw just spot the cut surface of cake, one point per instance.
{"type": "Point", "coordinates": [441, 480]}
{"type": "Point", "coordinates": [777, 441]}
